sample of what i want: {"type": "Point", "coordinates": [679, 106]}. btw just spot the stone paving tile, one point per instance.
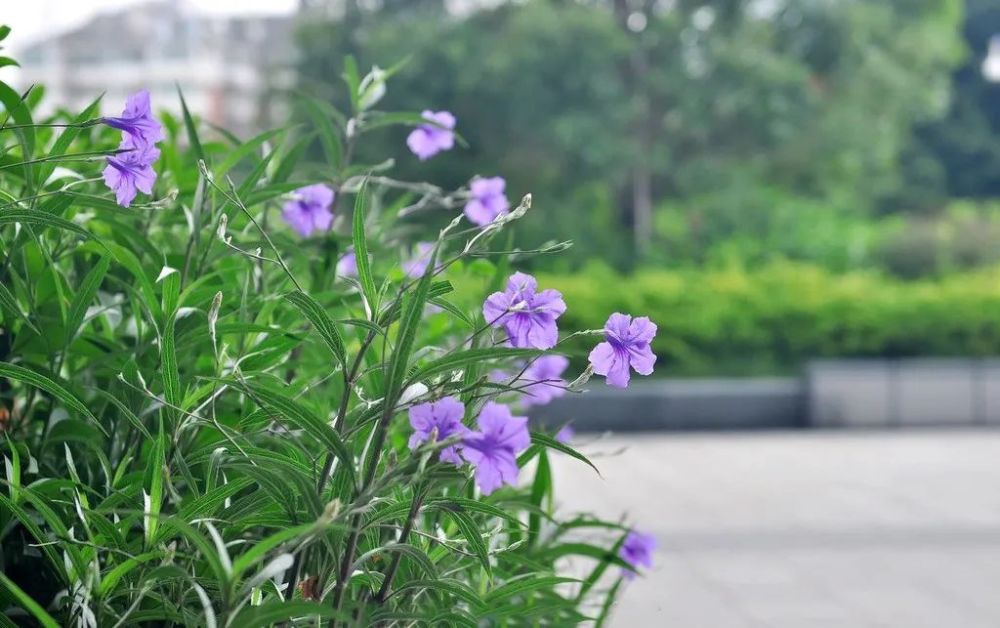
{"type": "Point", "coordinates": [804, 529]}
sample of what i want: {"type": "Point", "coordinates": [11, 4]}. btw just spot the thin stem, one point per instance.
{"type": "Point", "coordinates": [390, 574]}
{"type": "Point", "coordinates": [235, 199]}
{"type": "Point", "coordinates": [349, 379]}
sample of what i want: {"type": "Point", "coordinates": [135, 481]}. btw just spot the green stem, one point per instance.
{"type": "Point", "coordinates": [418, 499]}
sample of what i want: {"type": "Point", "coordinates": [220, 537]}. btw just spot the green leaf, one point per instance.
{"type": "Point", "coordinates": [111, 578]}
{"type": "Point", "coordinates": [452, 504]}
{"type": "Point", "coordinates": [452, 589]}
{"type": "Point", "coordinates": [541, 487]}
{"type": "Point", "coordinates": [126, 412]}
{"type": "Point", "coordinates": [43, 540]}
{"type": "Point", "coordinates": [84, 297]}
{"type": "Point", "coordinates": [462, 359]}
{"type": "Point", "coordinates": [524, 584]}
{"type": "Point", "coordinates": [323, 324]}
{"type": "Point", "coordinates": [473, 537]}
{"type": "Point", "coordinates": [17, 109]}
{"type": "Point", "coordinates": [600, 568]}
{"type": "Point", "coordinates": [419, 557]}
{"type": "Point", "coordinates": [64, 141]}
{"type": "Point", "coordinates": [208, 504]}
{"type": "Point", "coordinates": [205, 548]}
{"type": "Point", "coordinates": [28, 604]}
{"type": "Point", "coordinates": [287, 411]}
{"type": "Point", "coordinates": [353, 80]}
{"type": "Point", "coordinates": [391, 313]}
{"type": "Point", "coordinates": [168, 367]}
{"type": "Point", "coordinates": [192, 129]}
{"type": "Point", "coordinates": [243, 151]}
{"type": "Point", "coordinates": [26, 376]}
{"type": "Point", "coordinates": [582, 549]}
{"type": "Point", "coordinates": [328, 135]}
{"type": "Point", "coordinates": [9, 303]}
{"type": "Point", "coordinates": [545, 440]}
{"type": "Point", "coordinates": [276, 611]}
{"type": "Point", "coordinates": [28, 217]}
{"type": "Point", "coordinates": [156, 471]}
{"type": "Point", "coordinates": [260, 548]}
{"type": "Point", "coordinates": [361, 252]}
{"type": "Point", "coordinates": [409, 323]}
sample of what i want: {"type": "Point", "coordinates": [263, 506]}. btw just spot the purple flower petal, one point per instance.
{"type": "Point", "coordinates": [137, 122]}
{"type": "Point", "coordinates": [427, 140]}
{"type": "Point", "coordinates": [131, 171]}
{"type": "Point", "coordinates": [565, 434]}
{"type": "Point", "coordinates": [308, 211]}
{"type": "Point", "coordinates": [637, 550]}
{"type": "Point", "coordinates": [544, 381]}
{"type": "Point", "coordinates": [487, 201]}
{"type": "Point", "coordinates": [443, 416]}
{"type": "Point", "coordinates": [528, 318]}
{"type": "Point", "coordinates": [626, 345]}
{"type": "Point", "coordinates": [417, 265]}
{"type": "Point", "coordinates": [347, 266]}
{"type": "Point", "coordinates": [494, 448]}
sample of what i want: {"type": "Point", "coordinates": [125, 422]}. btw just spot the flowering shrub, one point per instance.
{"type": "Point", "coordinates": [208, 356]}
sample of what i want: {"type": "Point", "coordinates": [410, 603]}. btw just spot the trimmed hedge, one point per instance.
{"type": "Point", "coordinates": [773, 319]}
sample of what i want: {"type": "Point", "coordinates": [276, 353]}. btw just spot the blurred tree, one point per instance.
{"type": "Point", "coordinates": [959, 155]}
{"type": "Point", "coordinates": [606, 109]}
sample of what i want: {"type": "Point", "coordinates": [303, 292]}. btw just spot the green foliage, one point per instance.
{"type": "Point", "coordinates": [710, 103]}
{"type": "Point", "coordinates": [773, 318]}
{"type": "Point", "coordinates": [204, 425]}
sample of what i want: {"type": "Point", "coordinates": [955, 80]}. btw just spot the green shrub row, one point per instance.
{"type": "Point", "coordinates": [774, 318]}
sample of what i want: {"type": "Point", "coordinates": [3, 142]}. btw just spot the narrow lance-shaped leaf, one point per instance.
{"type": "Point", "coordinates": [27, 603]}
{"type": "Point", "coordinates": [154, 499]}
{"type": "Point", "coordinates": [8, 302]}
{"type": "Point", "coordinates": [470, 531]}
{"type": "Point", "coordinates": [84, 297]}
{"type": "Point", "coordinates": [192, 129]}
{"type": "Point", "coordinates": [27, 376]}
{"type": "Point", "coordinates": [368, 289]}
{"type": "Point", "coordinates": [323, 324]}
{"type": "Point", "coordinates": [28, 217]}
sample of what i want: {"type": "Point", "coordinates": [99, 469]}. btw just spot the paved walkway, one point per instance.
{"type": "Point", "coordinates": [804, 529]}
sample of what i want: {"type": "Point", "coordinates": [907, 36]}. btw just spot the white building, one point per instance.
{"type": "Point", "coordinates": [233, 70]}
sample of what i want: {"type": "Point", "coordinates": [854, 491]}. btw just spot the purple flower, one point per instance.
{"type": "Point", "coordinates": [565, 434]}
{"type": "Point", "coordinates": [545, 383]}
{"type": "Point", "coordinates": [487, 200]}
{"type": "Point", "coordinates": [309, 209]}
{"type": "Point", "coordinates": [137, 121]}
{"type": "Point", "coordinates": [494, 448]}
{"type": "Point", "coordinates": [417, 265]}
{"type": "Point", "coordinates": [130, 171]}
{"type": "Point", "coordinates": [626, 344]}
{"type": "Point", "coordinates": [528, 316]}
{"type": "Point", "coordinates": [445, 416]}
{"type": "Point", "coordinates": [637, 551]}
{"type": "Point", "coordinates": [428, 140]}
{"type": "Point", "coordinates": [347, 266]}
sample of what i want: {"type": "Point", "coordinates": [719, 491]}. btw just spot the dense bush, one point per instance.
{"type": "Point", "coordinates": [204, 410]}
{"type": "Point", "coordinates": [773, 318]}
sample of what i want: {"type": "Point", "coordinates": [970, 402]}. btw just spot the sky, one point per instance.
{"type": "Point", "coordinates": [36, 19]}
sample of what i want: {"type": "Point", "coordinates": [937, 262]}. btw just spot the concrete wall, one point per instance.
{"type": "Point", "coordinates": [886, 393]}
{"type": "Point", "coordinates": [830, 394]}
{"type": "Point", "coordinates": [681, 405]}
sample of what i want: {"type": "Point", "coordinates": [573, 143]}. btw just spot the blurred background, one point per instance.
{"type": "Point", "coordinates": [803, 194]}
